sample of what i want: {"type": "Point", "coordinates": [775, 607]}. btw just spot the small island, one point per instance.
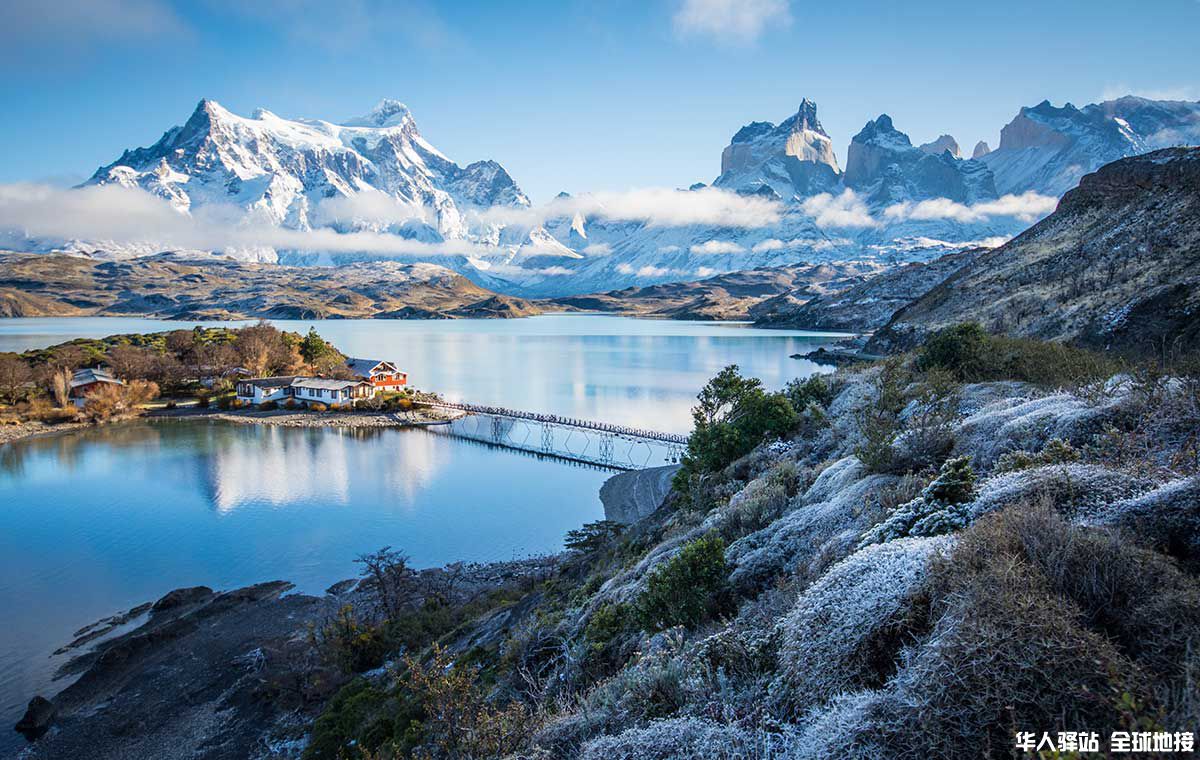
{"type": "Point", "coordinates": [256, 374]}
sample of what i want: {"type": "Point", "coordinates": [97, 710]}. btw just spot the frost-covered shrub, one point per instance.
{"type": "Point", "coordinates": [1023, 424]}
{"type": "Point", "coordinates": [1167, 517]}
{"type": "Point", "coordinates": [1056, 451]}
{"type": "Point", "coordinates": [680, 738]}
{"type": "Point", "coordinates": [761, 502]}
{"type": "Point", "coordinates": [847, 628]}
{"type": "Point", "coordinates": [821, 528]}
{"type": "Point", "coordinates": [845, 727]}
{"type": "Point", "coordinates": [1072, 488]}
{"type": "Point", "coordinates": [688, 589]}
{"type": "Point", "coordinates": [941, 507]}
{"type": "Point", "coordinates": [1037, 622]}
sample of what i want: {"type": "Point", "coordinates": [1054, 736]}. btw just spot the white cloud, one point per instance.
{"type": "Point", "coordinates": [128, 216]}
{"type": "Point", "coordinates": [598, 249]}
{"type": "Point", "coordinates": [770, 244]}
{"type": "Point", "coordinates": [370, 208]}
{"type": "Point", "coordinates": [555, 271]}
{"type": "Point", "coordinates": [730, 21]}
{"type": "Point", "coordinates": [703, 272]}
{"type": "Point", "coordinates": [845, 210]}
{"type": "Point", "coordinates": [1027, 207]}
{"type": "Point", "coordinates": [649, 271]}
{"type": "Point", "coordinates": [718, 246]}
{"type": "Point", "coordinates": [655, 207]}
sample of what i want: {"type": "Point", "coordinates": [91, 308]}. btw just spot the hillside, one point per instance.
{"type": "Point", "coordinates": [35, 285]}
{"type": "Point", "coordinates": [732, 296]}
{"type": "Point", "coordinates": [1117, 265]}
{"type": "Point", "coordinates": [865, 306]}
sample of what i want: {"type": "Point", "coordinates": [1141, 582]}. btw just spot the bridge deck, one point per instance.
{"type": "Point", "coordinates": [554, 419]}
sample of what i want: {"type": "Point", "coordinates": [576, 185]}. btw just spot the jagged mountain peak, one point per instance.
{"type": "Point", "coordinates": [793, 158]}
{"type": "Point", "coordinates": [386, 113]}
{"type": "Point", "coordinates": [941, 145]}
{"type": "Point", "coordinates": [981, 149]}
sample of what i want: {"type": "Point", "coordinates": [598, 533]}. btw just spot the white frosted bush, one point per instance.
{"type": "Point", "coordinates": [682, 738]}
{"type": "Point", "coordinates": [829, 519]}
{"type": "Point", "coordinates": [830, 641]}
{"type": "Point", "coordinates": [1073, 488]}
{"type": "Point", "coordinates": [1027, 424]}
{"type": "Point", "coordinates": [843, 728]}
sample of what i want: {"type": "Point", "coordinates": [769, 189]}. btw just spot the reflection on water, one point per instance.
{"type": "Point", "coordinates": [637, 372]}
{"type": "Point", "coordinates": [99, 521]}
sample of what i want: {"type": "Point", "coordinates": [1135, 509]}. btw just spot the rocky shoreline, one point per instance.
{"type": "Point", "coordinates": [214, 674]}
{"type": "Point", "coordinates": [359, 419]}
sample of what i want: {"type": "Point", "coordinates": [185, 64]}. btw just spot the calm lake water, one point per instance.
{"type": "Point", "coordinates": [96, 522]}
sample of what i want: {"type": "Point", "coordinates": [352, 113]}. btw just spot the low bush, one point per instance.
{"type": "Point", "coordinates": [1056, 451]}
{"type": "Point", "coordinates": [972, 355]}
{"type": "Point", "coordinates": [268, 406]}
{"type": "Point", "coordinates": [816, 390]}
{"type": "Point", "coordinates": [317, 406]}
{"type": "Point", "coordinates": [879, 421]}
{"type": "Point", "coordinates": [1036, 622]}
{"type": "Point", "coordinates": [941, 507]}
{"type": "Point", "coordinates": [691, 587]}
{"type": "Point", "coordinates": [348, 643]}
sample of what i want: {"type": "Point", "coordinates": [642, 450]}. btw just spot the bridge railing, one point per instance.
{"type": "Point", "coordinates": [554, 419]}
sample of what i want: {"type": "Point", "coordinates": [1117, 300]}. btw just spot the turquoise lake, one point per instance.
{"type": "Point", "coordinates": [96, 522]}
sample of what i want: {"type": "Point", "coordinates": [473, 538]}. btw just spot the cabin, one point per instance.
{"type": "Point", "coordinates": [210, 377]}
{"type": "Point", "coordinates": [260, 390]}
{"type": "Point", "coordinates": [309, 390]}
{"type": "Point", "coordinates": [86, 381]}
{"type": "Point", "coordinates": [324, 391]}
{"type": "Point", "coordinates": [382, 375]}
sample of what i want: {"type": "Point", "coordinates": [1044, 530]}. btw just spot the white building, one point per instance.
{"type": "Point", "coordinates": [322, 391]}
{"type": "Point", "coordinates": [309, 390]}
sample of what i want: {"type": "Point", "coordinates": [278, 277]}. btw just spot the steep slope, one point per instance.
{"type": "Point", "coordinates": [40, 285]}
{"type": "Point", "coordinates": [1048, 149]}
{"type": "Point", "coordinates": [1117, 265]}
{"type": "Point", "coordinates": [867, 305]}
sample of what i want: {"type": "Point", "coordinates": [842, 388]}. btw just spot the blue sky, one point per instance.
{"type": "Point", "coordinates": [605, 95]}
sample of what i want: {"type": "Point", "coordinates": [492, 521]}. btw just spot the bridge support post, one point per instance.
{"type": "Point", "coordinates": [547, 438]}
{"type": "Point", "coordinates": [606, 448]}
{"type": "Point", "coordinates": [497, 430]}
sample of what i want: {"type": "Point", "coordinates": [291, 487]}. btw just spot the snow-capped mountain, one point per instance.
{"type": "Point", "coordinates": [883, 165]}
{"type": "Point", "coordinates": [284, 171]}
{"type": "Point", "coordinates": [793, 159]}
{"type": "Point", "coordinates": [893, 201]}
{"type": "Point", "coordinates": [1049, 149]}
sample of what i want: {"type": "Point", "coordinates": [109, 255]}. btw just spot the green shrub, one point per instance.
{"type": "Point", "coordinates": [972, 355]}
{"type": "Point", "coordinates": [734, 414]}
{"type": "Point", "coordinates": [879, 421]}
{"type": "Point", "coordinates": [268, 406]}
{"type": "Point", "coordinates": [688, 589]}
{"type": "Point", "coordinates": [1056, 451]}
{"type": "Point", "coordinates": [803, 393]}
{"type": "Point", "coordinates": [225, 403]}
{"type": "Point", "coordinates": [593, 536]}
{"type": "Point", "coordinates": [955, 483]}
{"type": "Point", "coordinates": [960, 349]}
{"type": "Point", "coordinates": [350, 644]}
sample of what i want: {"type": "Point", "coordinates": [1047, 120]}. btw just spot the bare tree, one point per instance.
{"type": "Point", "coordinates": [387, 572]}
{"type": "Point", "coordinates": [15, 375]}
{"type": "Point", "coordinates": [60, 386]}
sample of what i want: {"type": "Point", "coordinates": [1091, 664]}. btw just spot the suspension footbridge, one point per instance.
{"type": "Point", "coordinates": [617, 446]}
